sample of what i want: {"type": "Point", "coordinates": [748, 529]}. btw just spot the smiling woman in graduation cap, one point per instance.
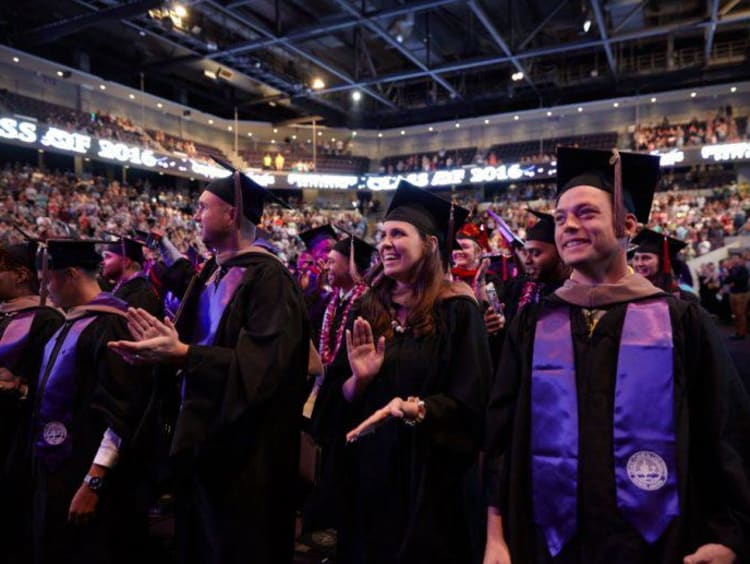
{"type": "Point", "coordinates": [617, 428]}
{"type": "Point", "coordinates": [420, 362]}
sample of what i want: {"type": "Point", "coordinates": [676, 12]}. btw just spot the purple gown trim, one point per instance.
{"type": "Point", "coordinates": [644, 433]}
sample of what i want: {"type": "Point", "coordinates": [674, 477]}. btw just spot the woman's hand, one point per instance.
{"type": "Point", "coordinates": [478, 285]}
{"type": "Point", "coordinates": [493, 321]}
{"type": "Point", "coordinates": [365, 356]}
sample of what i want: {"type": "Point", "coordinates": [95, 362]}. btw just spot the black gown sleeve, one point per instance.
{"type": "Point", "coordinates": [177, 276]}
{"type": "Point", "coordinates": [720, 436]}
{"type": "Point", "coordinates": [140, 293]}
{"type": "Point", "coordinates": [501, 408]}
{"type": "Point", "coordinates": [121, 393]}
{"type": "Point", "coordinates": [222, 383]}
{"type": "Point", "coordinates": [454, 417]}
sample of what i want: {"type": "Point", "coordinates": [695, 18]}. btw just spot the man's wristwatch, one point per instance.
{"type": "Point", "coordinates": [94, 483]}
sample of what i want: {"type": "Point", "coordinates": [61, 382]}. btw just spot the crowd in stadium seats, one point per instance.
{"type": "Point", "coordinates": [104, 126]}
{"type": "Point", "coordinates": [53, 204]}
{"type": "Point", "coordinates": [424, 162]}
{"type": "Point", "coordinates": [59, 204]}
{"type": "Point", "coordinates": [722, 127]}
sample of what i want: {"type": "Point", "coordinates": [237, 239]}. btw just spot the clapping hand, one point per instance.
{"type": "Point", "coordinates": [155, 341]}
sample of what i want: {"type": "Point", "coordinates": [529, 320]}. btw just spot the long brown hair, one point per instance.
{"type": "Point", "coordinates": [429, 286]}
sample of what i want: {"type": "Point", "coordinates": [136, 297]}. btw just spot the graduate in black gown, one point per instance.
{"type": "Point", "coordinates": [87, 410]}
{"type": "Point", "coordinates": [655, 258]}
{"type": "Point", "coordinates": [123, 264]}
{"type": "Point", "coordinates": [319, 242]}
{"type": "Point", "coordinates": [347, 263]}
{"type": "Point", "coordinates": [617, 429]}
{"type": "Point", "coordinates": [241, 343]}
{"type": "Point", "coordinates": [25, 327]}
{"type": "Point", "coordinates": [420, 363]}
{"type": "Point", "coordinates": [544, 271]}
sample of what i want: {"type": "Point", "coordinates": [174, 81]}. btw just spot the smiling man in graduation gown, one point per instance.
{"type": "Point", "coordinates": [241, 343]}
{"type": "Point", "coordinates": [87, 409]}
{"type": "Point", "coordinates": [619, 423]}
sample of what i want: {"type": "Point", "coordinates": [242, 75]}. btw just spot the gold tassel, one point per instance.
{"type": "Point", "coordinates": [352, 263]}
{"type": "Point", "coordinates": [45, 277]}
{"type": "Point", "coordinates": [619, 203]}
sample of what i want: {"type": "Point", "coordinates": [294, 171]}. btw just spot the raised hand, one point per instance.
{"type": "Point", "coordinates": [365, 356]}
{"type": "Point", "coordinates": [156, 341]}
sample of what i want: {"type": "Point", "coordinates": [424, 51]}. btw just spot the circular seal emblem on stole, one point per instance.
{"type": "Point", "coordinates": [54, 433]}
{"type": "Point", "coordinates": [647, 470]}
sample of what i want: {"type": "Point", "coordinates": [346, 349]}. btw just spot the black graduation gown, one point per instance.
{"type": "Point", "coordinates": [316, 300]}
{"type": "Point", "coordinates": [15, 468]}
{"type": "Point", "coordinates": [511, 293]}
{"type": "Point", "coordinates": [330, 417]}
{"type": "Point", "coordinates": [108, 394]}
{"type": "Point", "coordinates": [139, 292]}
{"type": "Point", "coordinates": [406, 493]}
{"type": "Point", "coordinates": [712, 433]}
{"type": "Point", "coordinates": [237, 432]}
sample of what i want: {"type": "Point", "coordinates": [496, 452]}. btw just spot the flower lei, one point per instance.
{"type": "Point", "coordinates": [326, 353]}
{"type": "Point", "coordinates": [529, 294]}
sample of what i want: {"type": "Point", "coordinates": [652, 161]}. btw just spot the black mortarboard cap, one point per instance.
{"type": "Point", "coordinates": [239, 190]}
{"type": "Point", "coordinates": [362, 251]}
{"type": "Point", "coordinates": [590, 167]}
{"type": "Point", "coordinates": [73, 253]}
{"type": "Point", "coordinates": [543, 230]}
{"type": "Point", "coordinates": [649, 241]}
{"type": "Point", "coordinates": [428, 213]}
{"type": "Point", "coordinates": [127, 247]}
{"type": "Point", "coordinates": [312, 236]}
{"type": "Point", "coordinates": [21, 254]}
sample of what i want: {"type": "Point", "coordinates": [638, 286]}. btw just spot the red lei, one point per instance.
{"type": "Point", "coordinates": [326, 353]}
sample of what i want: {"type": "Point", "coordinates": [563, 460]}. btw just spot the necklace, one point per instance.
{"type": "Point", "coordinates": [326, 353]}
{"type": "Point", "coordinates": [397, 326]}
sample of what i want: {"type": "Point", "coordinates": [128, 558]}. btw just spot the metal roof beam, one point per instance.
{"type": "Point", "coordinates": [542, 25]}
{"type": "Point", "coordinates": [59, 29]}
{"type": "Point", "coordinates": [711, 31]}
{"type": "Point", "coordinates": [312, 58]}
{"type": "Point", "coordinates": [334, 26]}
{"type": "Point", "coordinates": [383, 34]}
{"type": "Point", "coordinates": [739, 17]}
{"type": "Point", "coordinates": [601, 24]}
{"type": "Point", "coordinates": [500, 42]}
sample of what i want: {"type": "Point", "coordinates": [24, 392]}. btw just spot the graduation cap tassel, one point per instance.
{"type": "Point", "coordinates": [667, 262]}
{"type": "Point", "coordinates": [352, 264]}
{"type": "Point", "coordinates": [619, 205]}
{"type": "Point", "coordinates": [45, 275]}
{"type": "Point", "coordinates": [451, 232]}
